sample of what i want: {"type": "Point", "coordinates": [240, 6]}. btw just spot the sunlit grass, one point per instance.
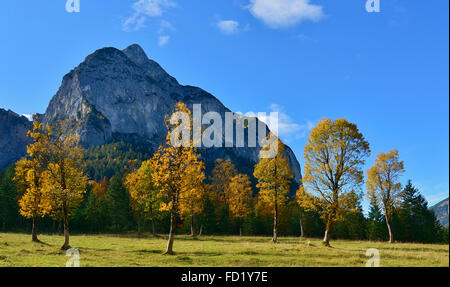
{"type": "Point", "coordinates": [129, 250]}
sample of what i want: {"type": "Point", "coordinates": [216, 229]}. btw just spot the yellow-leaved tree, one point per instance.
{"type": "Point", "coordinates": [220, 178]}
{"type": "Point", "coordinates": [383, 186]}
{"type": "Point", "coordinates": [64, 182]}
{"type": "Point", "coordinates": [239, 196]}
{"type": "Point", "coordinates": [178, 171]}
{"type": "Point", "coordinates": [144, 198]}
{"type": "Point", "coordinates": [302, 200]}
{"type": "Point", "coordinates": [274, 179]}
{"type": "Point", "coordinates": [334, 157]}
{"type": "Point", "coordinates": [221, 175]}
{"type": "Point", "coordinates": [28, 175]}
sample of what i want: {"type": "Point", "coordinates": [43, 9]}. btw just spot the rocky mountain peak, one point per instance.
{"type": "Point", "coordinates": [13, 136]}
{"type": "Point", "coordinates": [136, 54]}
{"type": "Point", "coordinates": [122, 95]}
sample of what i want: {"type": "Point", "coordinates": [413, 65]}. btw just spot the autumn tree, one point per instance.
{"type": "Point", "coordinates": [64, 182]}
{"type": "Point", "coordinates": [221, 175]}
{"type": "Point", "coordinates": [192, 202]}
{"type": "Point", "coordinates": [96, 211]}
{"type": "Point", "coordinates": [300, 197]}
{"type": "Point", "coordinates": [334, 156]}
{"type": "Point", "coordinates": [178, 171]}
{"type": "Point", "coordinates": [144, 198]}
{"type": "Point", "coordinates": [274, 178]}
{"type": "Point", "coordinates": [29, 176]}
{"type": "Point", "coordinates": [239, 195]}
{"type": "Point", "coordinates": [383, 184]}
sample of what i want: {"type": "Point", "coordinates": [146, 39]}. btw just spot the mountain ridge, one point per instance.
{"type": "Point", "coordinates": [13, 139]}
{"type": "Point", "coordinates": [440, 209]}
{"type": "Point", "coordinates": [123, 95]}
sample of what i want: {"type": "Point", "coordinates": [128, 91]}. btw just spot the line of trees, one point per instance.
{"type": "Point", "coordinates": [170, 190]}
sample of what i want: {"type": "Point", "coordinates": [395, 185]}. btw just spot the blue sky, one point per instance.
{"type": "Point", "coordinates": [387, 72]}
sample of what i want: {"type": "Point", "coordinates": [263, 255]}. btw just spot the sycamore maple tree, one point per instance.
{"type": "Point", "coordinates": [178, 172]}
{"type": "Point", "coordinates": [29, 176]}
{"type": "Point", "coordinates": [144, 198]}
{"type": "Point", "coordinates": [334, 157]}
{"type": "Point", "coordinates": [221, 175]}
{"type": "Point", "coordinates": [274, 178]}
{"type": "Point", "coordinates": [64, 181]}
{"type": "Point", "coordinates": [239, 196]}
{"type": "Point", "coordinates": [383, 186]}
{"type": "Point", "coordinates": [51, 176]}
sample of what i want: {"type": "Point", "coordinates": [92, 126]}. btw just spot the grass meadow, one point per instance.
{"type": "Point", "coordinates": [210, 251]}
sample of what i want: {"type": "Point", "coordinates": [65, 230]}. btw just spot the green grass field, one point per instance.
{"type": "Point", "coordinates": [120, 250]}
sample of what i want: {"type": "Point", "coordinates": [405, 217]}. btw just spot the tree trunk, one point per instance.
{"type": "Point", "coordinates": [275, 224]}
{"type": "Point", "coordinates": [34, 237]}
{"type": "Point", "coordinates": [169, 250]}
{"type": "Point", "coordinates": [66, 244]}
{"type": "Point", "coordinates": [192, 226]}
{"type": "Point", "coordinates": [301, 224]}
{"type": "Point", "coordinates": [326, 237]}
{"type": "Point", "coordinates": [139, 223]}
{"type": "Point", "coordinates": [153, 228]}
{"type": "Point", "coordinates": [391, 236]}
{"type": "Point", "coordinates": [201, 230]}
{"type": "Point", "coordinates": [240, 227]}
{"type": "Point", "coordinates": [60, 228]}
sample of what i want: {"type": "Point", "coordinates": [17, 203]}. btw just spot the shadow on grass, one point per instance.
{"type": "Point", "coordinates": [41, 243]}
{"type": "Point", "coordinates": [151, 251]}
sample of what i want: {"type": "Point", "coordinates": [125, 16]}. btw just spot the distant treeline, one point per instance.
{"type": "Point", "coordinates": [107, 209]}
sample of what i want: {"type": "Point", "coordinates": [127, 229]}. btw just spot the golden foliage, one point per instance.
{"type": "Point", "coordinates": [51, 180]}
{"type": "Point", "coordinates": [334, 157]}
{"type": "Point", "coordinates": [239, 195]}
{"type": "Point", "coordinates": [274, 178]}
{"type": "Point", "coordinates": [221, 175]}
{"type": "Point", "coordinates": [383, 186]}
{"type": "Point", "coordinates": [178, 172]}
{"type": "Point", "coordinates": [143, 191]}
{"type": "Point", "coordinates": [29, 173]}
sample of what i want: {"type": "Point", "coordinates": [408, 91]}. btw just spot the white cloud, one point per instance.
{"type": "Point", "coordinates": [28, 116]}
{"type": "Point", "coordinates": [287, 128]}
{"type": "Point", "coordinates": [144, 9]}
{"type": "Point", "coordinates": [284, 13]}
{"type": "Point", "coordinates": [163, 40]}
{"type": "Point", "coordinates": [165, 25]}
{"type": "Point", "coordinates": [228, 26]}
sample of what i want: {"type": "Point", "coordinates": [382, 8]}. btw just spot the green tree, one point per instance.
{"type": "Point", "coordinates": [118, 203]}
{"type": "Point", "coordinates": [376, 224]}
{"type": "Point", "coordinates": [8, 198]}
{"type": "Point", "coordinates": [416, 222]}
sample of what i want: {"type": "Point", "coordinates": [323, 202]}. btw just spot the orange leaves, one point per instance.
{"type": "Point", "coordinates": [239, 195]}
{"type": "Point", "coordinates": [220, 178]}
{"type": "Point", "coordinates": [143, 191]}
{"type": "Point", "coordinates": [179, 174]}
{"type": "Point", "coordinates": [383, 186]}
{"type": "Point", "coordinates": [50, 177]}
{"type": "Point", "coordinates": [334, 157]}
{"type": "Point", "coordinates": [274, 178]}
